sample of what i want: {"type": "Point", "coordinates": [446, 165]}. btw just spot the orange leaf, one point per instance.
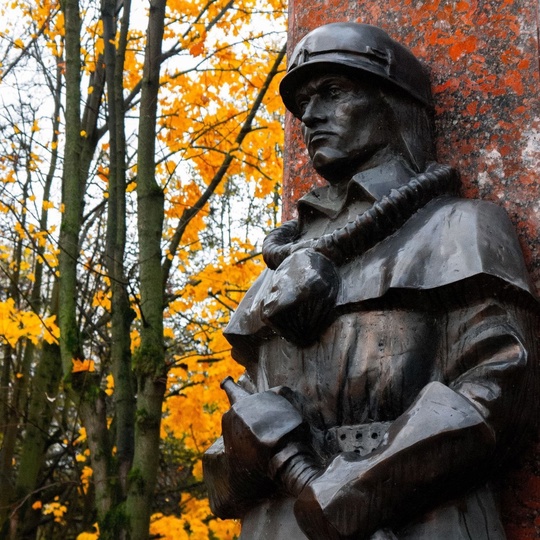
{"type": "Point", "coordinates": [83, 365]}
{"type": "Point", "coordinates": [197, 49]}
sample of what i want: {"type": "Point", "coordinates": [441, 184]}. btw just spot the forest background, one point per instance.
{"type": "Point", "coordinates": [140, 166]}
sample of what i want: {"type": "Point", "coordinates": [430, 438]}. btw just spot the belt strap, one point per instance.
{"type": "Point", "coordinates": [361, 439]}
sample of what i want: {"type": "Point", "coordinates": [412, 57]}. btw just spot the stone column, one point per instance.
{"type": "Point", "coordinates": [484, 62]}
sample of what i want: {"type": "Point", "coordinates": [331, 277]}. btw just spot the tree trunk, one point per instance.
{"type": "Point", "coordinates": [149, 362]}
{"type": "Point", "coordinates": [122, 315]}
{"type": "Point", "coordinates": [71, 191]}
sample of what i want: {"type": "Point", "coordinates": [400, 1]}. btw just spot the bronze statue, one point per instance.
{"type": "Point", "coordinates": [389, 347]}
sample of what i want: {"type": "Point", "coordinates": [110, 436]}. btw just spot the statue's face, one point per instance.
{"type": "Point", "coordinates": [346, 124]}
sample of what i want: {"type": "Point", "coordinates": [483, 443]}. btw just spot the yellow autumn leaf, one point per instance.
{"type": "Point", "coordinates": [86, 474]}
{"type": "Point", "coordinates": [82, 365]}
{"type": "Point", "coordinates": [109, 390]}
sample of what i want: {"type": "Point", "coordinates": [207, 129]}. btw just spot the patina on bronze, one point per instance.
{"type": "Point", "coordinates": [391, 367]}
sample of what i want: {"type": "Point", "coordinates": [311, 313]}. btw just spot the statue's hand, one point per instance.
{"type": "Point", "coordinates": [332, 506]}
{"type": "Point", "coordinates": [300, 303]}
{"type": "Point", "coordinates": [258, 426]}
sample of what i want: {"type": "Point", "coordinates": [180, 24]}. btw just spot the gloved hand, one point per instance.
{"type": "Point", "coordinates": [265, 434]}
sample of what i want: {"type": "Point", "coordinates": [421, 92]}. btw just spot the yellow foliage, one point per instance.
{"type": "Point", "coordinates": [52, 259]}
{"type": "Point", "coordinates": [90, 535]}
{"type": "Point", "coordinates": [102, 299]}
{"type": "Point", "coordinates": [208, 88]}
{"type": "Point", "coordinates": [82, 434]}
{"type": "Point", "coordinates": [168, 333]}
{"type": "Point", "coordinates": [197, 49]}
{"type": "Point", "coordinates": [109, 390]}
{"type": "Point", "coordinates": [52, 333]}
{"type": "Point", "coordinates": [16, 324]}
{"type": "Point", "coordinates": [82, 365]}
{"type": "Point", "coordinates": [86, 474]}
{"type": "Point", "coordinates": [135, 339]}
{"type": "Point", "coordinates": [56, 509]}
{"type": "Point", "coordinates": [195, 414]}
{"type": "Point", "coordinates": [195, 523]}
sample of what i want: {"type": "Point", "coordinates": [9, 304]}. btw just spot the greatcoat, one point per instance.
{"type": "Point", "coordinates": [419, 386]}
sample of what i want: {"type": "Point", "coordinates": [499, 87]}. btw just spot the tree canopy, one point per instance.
{"type": "Point", "coordinates": [140, 166]}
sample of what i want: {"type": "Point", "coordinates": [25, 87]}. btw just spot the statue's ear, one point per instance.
{"type": "Point", "coordinates": [414, 127]}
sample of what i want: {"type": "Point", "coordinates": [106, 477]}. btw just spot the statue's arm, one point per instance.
{"type": "Point", "coordinates": [262, 433]}
{"type": "Point", "coordinates": [232, 488]}
{"type": "Point", "coordinates": [445, 441]}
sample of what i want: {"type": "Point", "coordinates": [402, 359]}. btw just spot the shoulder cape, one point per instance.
{"type": "Point", "coordinates": [447, 241]}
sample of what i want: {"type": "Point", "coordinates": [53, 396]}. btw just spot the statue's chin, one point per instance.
{"type": "Point", "coordinates": [337, 166]}
{"type": "Point", "coordinates": [332, 164]}
{"type": "Point", "coordinates": [325, 156]}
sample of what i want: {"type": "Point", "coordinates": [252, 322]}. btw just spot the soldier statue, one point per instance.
{"type": "Point", "coordinates": [389, 348]}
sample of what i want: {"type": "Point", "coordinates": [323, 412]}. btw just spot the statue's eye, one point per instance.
{"type": "Point", "coordinates": [335, 91]}
{"type": "Point", "coordinates": [302, 104]}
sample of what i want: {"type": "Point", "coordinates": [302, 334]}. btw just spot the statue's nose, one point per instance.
{"type": "Point", "coordinates": [314, 112]}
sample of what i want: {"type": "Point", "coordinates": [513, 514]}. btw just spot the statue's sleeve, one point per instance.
{"type": "Point", "coordinates": [232, 487]}
{"type": "Point", "coordinates": [458, 428]}
{"type": "Point", "coordinates": [232, 490]}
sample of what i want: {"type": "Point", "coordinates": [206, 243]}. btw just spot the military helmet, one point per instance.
{"type": "Point", "coordinates": [354, 49]}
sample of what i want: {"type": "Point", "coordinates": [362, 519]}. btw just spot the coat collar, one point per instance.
{"type": "Point", "coordinates": [370, 186]}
